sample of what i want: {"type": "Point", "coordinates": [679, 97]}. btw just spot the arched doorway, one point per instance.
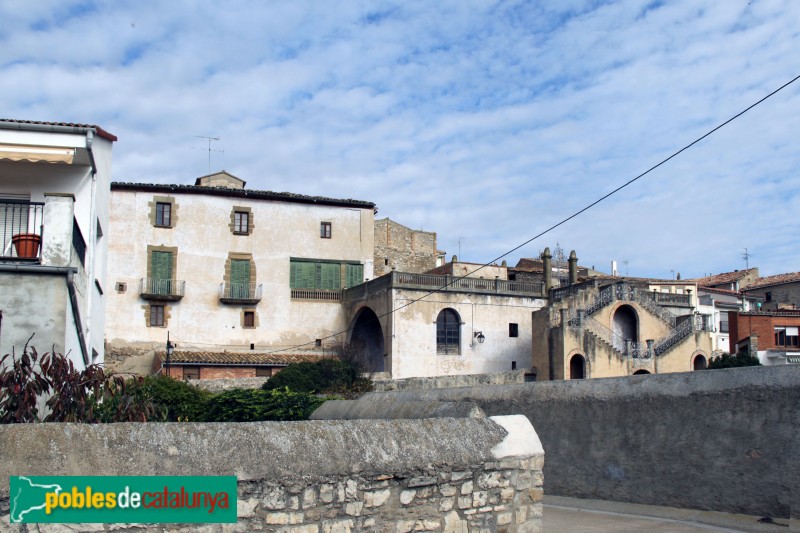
{"type": "Point", "coordinates": [366, 341]}
{"type": "Point", "coordinates": [700, 362]}
{"type": "Point", "coordinates": [625, 323]}
{"type": "Point", "coordinates": [641, 371]}
{"type": "Point", "coordinates": [577, 367]}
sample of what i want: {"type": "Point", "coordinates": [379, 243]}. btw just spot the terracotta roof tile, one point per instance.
{"type": "Point", "coordinates": [724, 278]}
{"type": "Point", "coordinates": [778, 279]}
{"type": "Point", "coordinates": [239, 358]}
{"type": "Point", "coordinates": [100, 131]}
{"type": "Point", "coordinates": [240, 193]}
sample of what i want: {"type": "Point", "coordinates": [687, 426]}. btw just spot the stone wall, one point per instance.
{"type": "Point", "coordinates": [723, 440]}
{"type": "Point", "coordinates": [402, 248]}
{"type": "Point", "coordinates": [453, 475]}
{"type": "Point", "coordinates": [463, 380]}
{"type": "Point", "coordinates": [223, 384]}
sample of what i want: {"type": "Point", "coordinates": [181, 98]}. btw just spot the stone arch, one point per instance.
{"type": "Point", "coordinates": [448, 332]}
{"type": "Point", "coordinates": [577, 367]}
{"type": "Point", "coordinates": [641, 371]}
{"type": "Point", "coordinates": [699, 361]}
{"type": "Point", "coordinates": [366, 343]}
{"type": "Point", "coordinates": [625, 323]}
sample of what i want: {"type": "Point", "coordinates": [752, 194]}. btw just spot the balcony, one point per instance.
{"type": "Point", "coordinates": [325, 295]}
{"type": "Point", "coordinates": [679, 300]}
{"type": "Point", "coordinates": [21, 225]}
{"type": "Point", "coordinates": [239, 293]}
{"type": "Point", "coordinates": [162, 289]}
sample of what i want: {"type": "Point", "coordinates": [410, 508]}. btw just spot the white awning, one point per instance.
{"type": "Point", "coordinates": [46, 154]}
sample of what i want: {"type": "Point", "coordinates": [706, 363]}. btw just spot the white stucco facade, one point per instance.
{"type": "Point", "coordinates": [58, 176]}
{"type": "Point", "coordinates": [202, 241]}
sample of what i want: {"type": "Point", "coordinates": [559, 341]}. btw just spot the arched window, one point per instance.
{"type": "Point", "coordinates": [448, 332]}
{"type": "Point", "coordinates": [700, 363]}
{"type": "Point", "coordinates": [642, 371]}
{"type": "Point", "coordinates": [577, 367]}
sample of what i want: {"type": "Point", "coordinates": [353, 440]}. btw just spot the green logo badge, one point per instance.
{"type": "Point", "coordinates": [122, 499]}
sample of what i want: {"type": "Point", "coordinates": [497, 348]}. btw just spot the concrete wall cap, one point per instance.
{"type": "Point", "coordinates": [521, 441]}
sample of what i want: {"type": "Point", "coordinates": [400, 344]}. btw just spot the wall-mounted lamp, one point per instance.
{"type": "Point", "coordinates": [480, 336]}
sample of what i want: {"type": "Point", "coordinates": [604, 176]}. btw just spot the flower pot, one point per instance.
{"type": "Point", "coordinates": [27, 245]}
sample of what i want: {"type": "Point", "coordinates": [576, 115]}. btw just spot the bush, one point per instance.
{"type": "Point", "coordinates": [245, 405]}
{"type": "Point", "coordinates": [325, 376]}
{"type": "Point", "coordinates": [175, 401]}
{"type": "Point", "coordinates": [727, 360]}
{"type": "Point", "coordinates": [70, 395]}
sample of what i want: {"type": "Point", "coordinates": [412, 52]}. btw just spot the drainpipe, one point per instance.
{"type": "Point", "coordinates": [92, 238]}
{"type": "Point", "coordinates": [73, 298]}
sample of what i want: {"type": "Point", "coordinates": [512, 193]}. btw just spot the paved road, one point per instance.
{"type": "Point", "coordinates": [571, 515]}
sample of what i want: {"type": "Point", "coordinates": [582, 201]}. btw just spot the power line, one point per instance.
{"type": "Point", "coordinates": [567, 219]}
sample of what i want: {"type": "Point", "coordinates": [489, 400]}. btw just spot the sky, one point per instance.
{"type": "Point", "coordinates": [484, 121]}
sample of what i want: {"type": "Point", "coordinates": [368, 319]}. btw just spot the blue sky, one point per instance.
{"type": "Point", "coordinates": [483, 120]}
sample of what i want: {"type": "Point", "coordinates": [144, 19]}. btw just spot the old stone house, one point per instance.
{"type": "Point", "coordinates": [54, 223]}
{"type": "Point", "coordinates": [245, 280]}
{"type": "Point", "coordinates": [400, 248]}
{"type": "Point", "coordinates": [779, 292]}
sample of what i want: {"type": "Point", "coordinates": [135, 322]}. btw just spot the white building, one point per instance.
{"type": "Point", "coordinates": [243, 281]}
{"type": "Point", "coordinates": [54, 204]}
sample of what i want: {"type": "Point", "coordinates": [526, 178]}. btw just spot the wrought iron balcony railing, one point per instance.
{"type": "Point", "coordinates": [239, 293]}
{"type": "Point", "coordinates": [161, 289]}
{"type": "Point", "coordinates": [21, 225]}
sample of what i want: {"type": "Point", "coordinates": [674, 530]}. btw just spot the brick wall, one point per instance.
{"type": "Point", "coordinates": [743, 325]}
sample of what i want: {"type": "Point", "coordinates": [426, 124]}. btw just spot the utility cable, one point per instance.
{"type": "Point", "coordinates": [563, 221]}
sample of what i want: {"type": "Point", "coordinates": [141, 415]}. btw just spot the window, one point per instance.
{"type": "Point", "coordinates": [354, 275]}
{"type": "Point", "coordinates": [448, 332]}
{"type": "Point", "coordinates": [325, 230]}
{"type": "Point", "coordinates": [723, 326]}
{"type": "Point", "coordinates": [325, 275]}
{"type": "Point", "coordinates": [787, 336]}
{"type": "Point", "coordinates": [264, 372]}
{"type": "Point", "coordinates": [513, 330]}
{"type": "Point", "coordinates": [163, 214]}
{"type": "Point", "coordinates": [191, 372]}
{"type": "Point", "coordinates": [157, 316]}
{"type": "Point", "coordinates": [249, 320]}
{"type": "Point", "coordinates": [241, 222]}
{"type": "Point", "coordinates": [121, 287]}
{"type": "Point", "coordinates": [768, 296]}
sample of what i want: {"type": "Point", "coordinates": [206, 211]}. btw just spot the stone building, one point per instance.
{"type": "Point", "coordinates": [606, 327]}
{"type": "Point", "coordinates": [780, 292]}
{"type": "Point", "coordinates": [772, 336]}
{"type": "Point", "coordinates": [54, 223]}
{"type": "Point", "coordinates": [404, 249]}
{"type": "Point", "coordinates": [732, 281]}
{"type": "Point", "coordinates": [219, 269]}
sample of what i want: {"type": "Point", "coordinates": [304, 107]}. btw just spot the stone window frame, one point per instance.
{"type": "Point", "coordinates": [325, 230]}
{"type": "Point", "coordinates": [173, 217]}
{"type": "Point", "coordinates": [171, 249]}
{"type": "Point", "coordinates": [243, 316]}
{"type": "Point", "coordinates": [250, 224]}
{"type": "Point", "coordinates": [167, 314]}
{"type": "Point", "coordinates": [226, 278]}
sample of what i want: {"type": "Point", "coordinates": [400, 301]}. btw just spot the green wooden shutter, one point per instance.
{"type": "Point", "coordinates": [329, 276]}
{"type": "Point", "coordinates": [301, 275]}
{"type": "Point", "coordinates": [161, 273]}
{"type": "Point", "coordinates": [240, 278]}
{"type": "Point", "coordinates": [354, 275]}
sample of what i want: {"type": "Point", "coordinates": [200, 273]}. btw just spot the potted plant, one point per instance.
{"type": "Point", "coordinates": [27, 245]}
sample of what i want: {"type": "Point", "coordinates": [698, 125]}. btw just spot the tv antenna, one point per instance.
{"type": "Point", "coordinates": [459, 248]}
{"type": "Point", "coordinates": [746, 257]}
{"type": "Point", "coordinates": [625, 262]}
{"type": "Point", "coordinates": [209, 139]}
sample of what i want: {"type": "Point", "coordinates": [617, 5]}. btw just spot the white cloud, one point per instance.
{"type": "Point", "coordinates": [484, 120]}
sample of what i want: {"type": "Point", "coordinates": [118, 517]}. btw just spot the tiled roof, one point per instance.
{"type": "Point", "coordinates": [779, 279]}
{"type": "Point", "coordinates": [529, 265]}
{"type": "Point", "coordinates": [720, 291]}
{"type": "Point", "coordinates": [239, 358]}
{"type": "Point", "coordinates": [100, 131]}
{"type": "Point", "coordinates": [241, 193]}
{"type": "Point", "coordinates": [724, 278]}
